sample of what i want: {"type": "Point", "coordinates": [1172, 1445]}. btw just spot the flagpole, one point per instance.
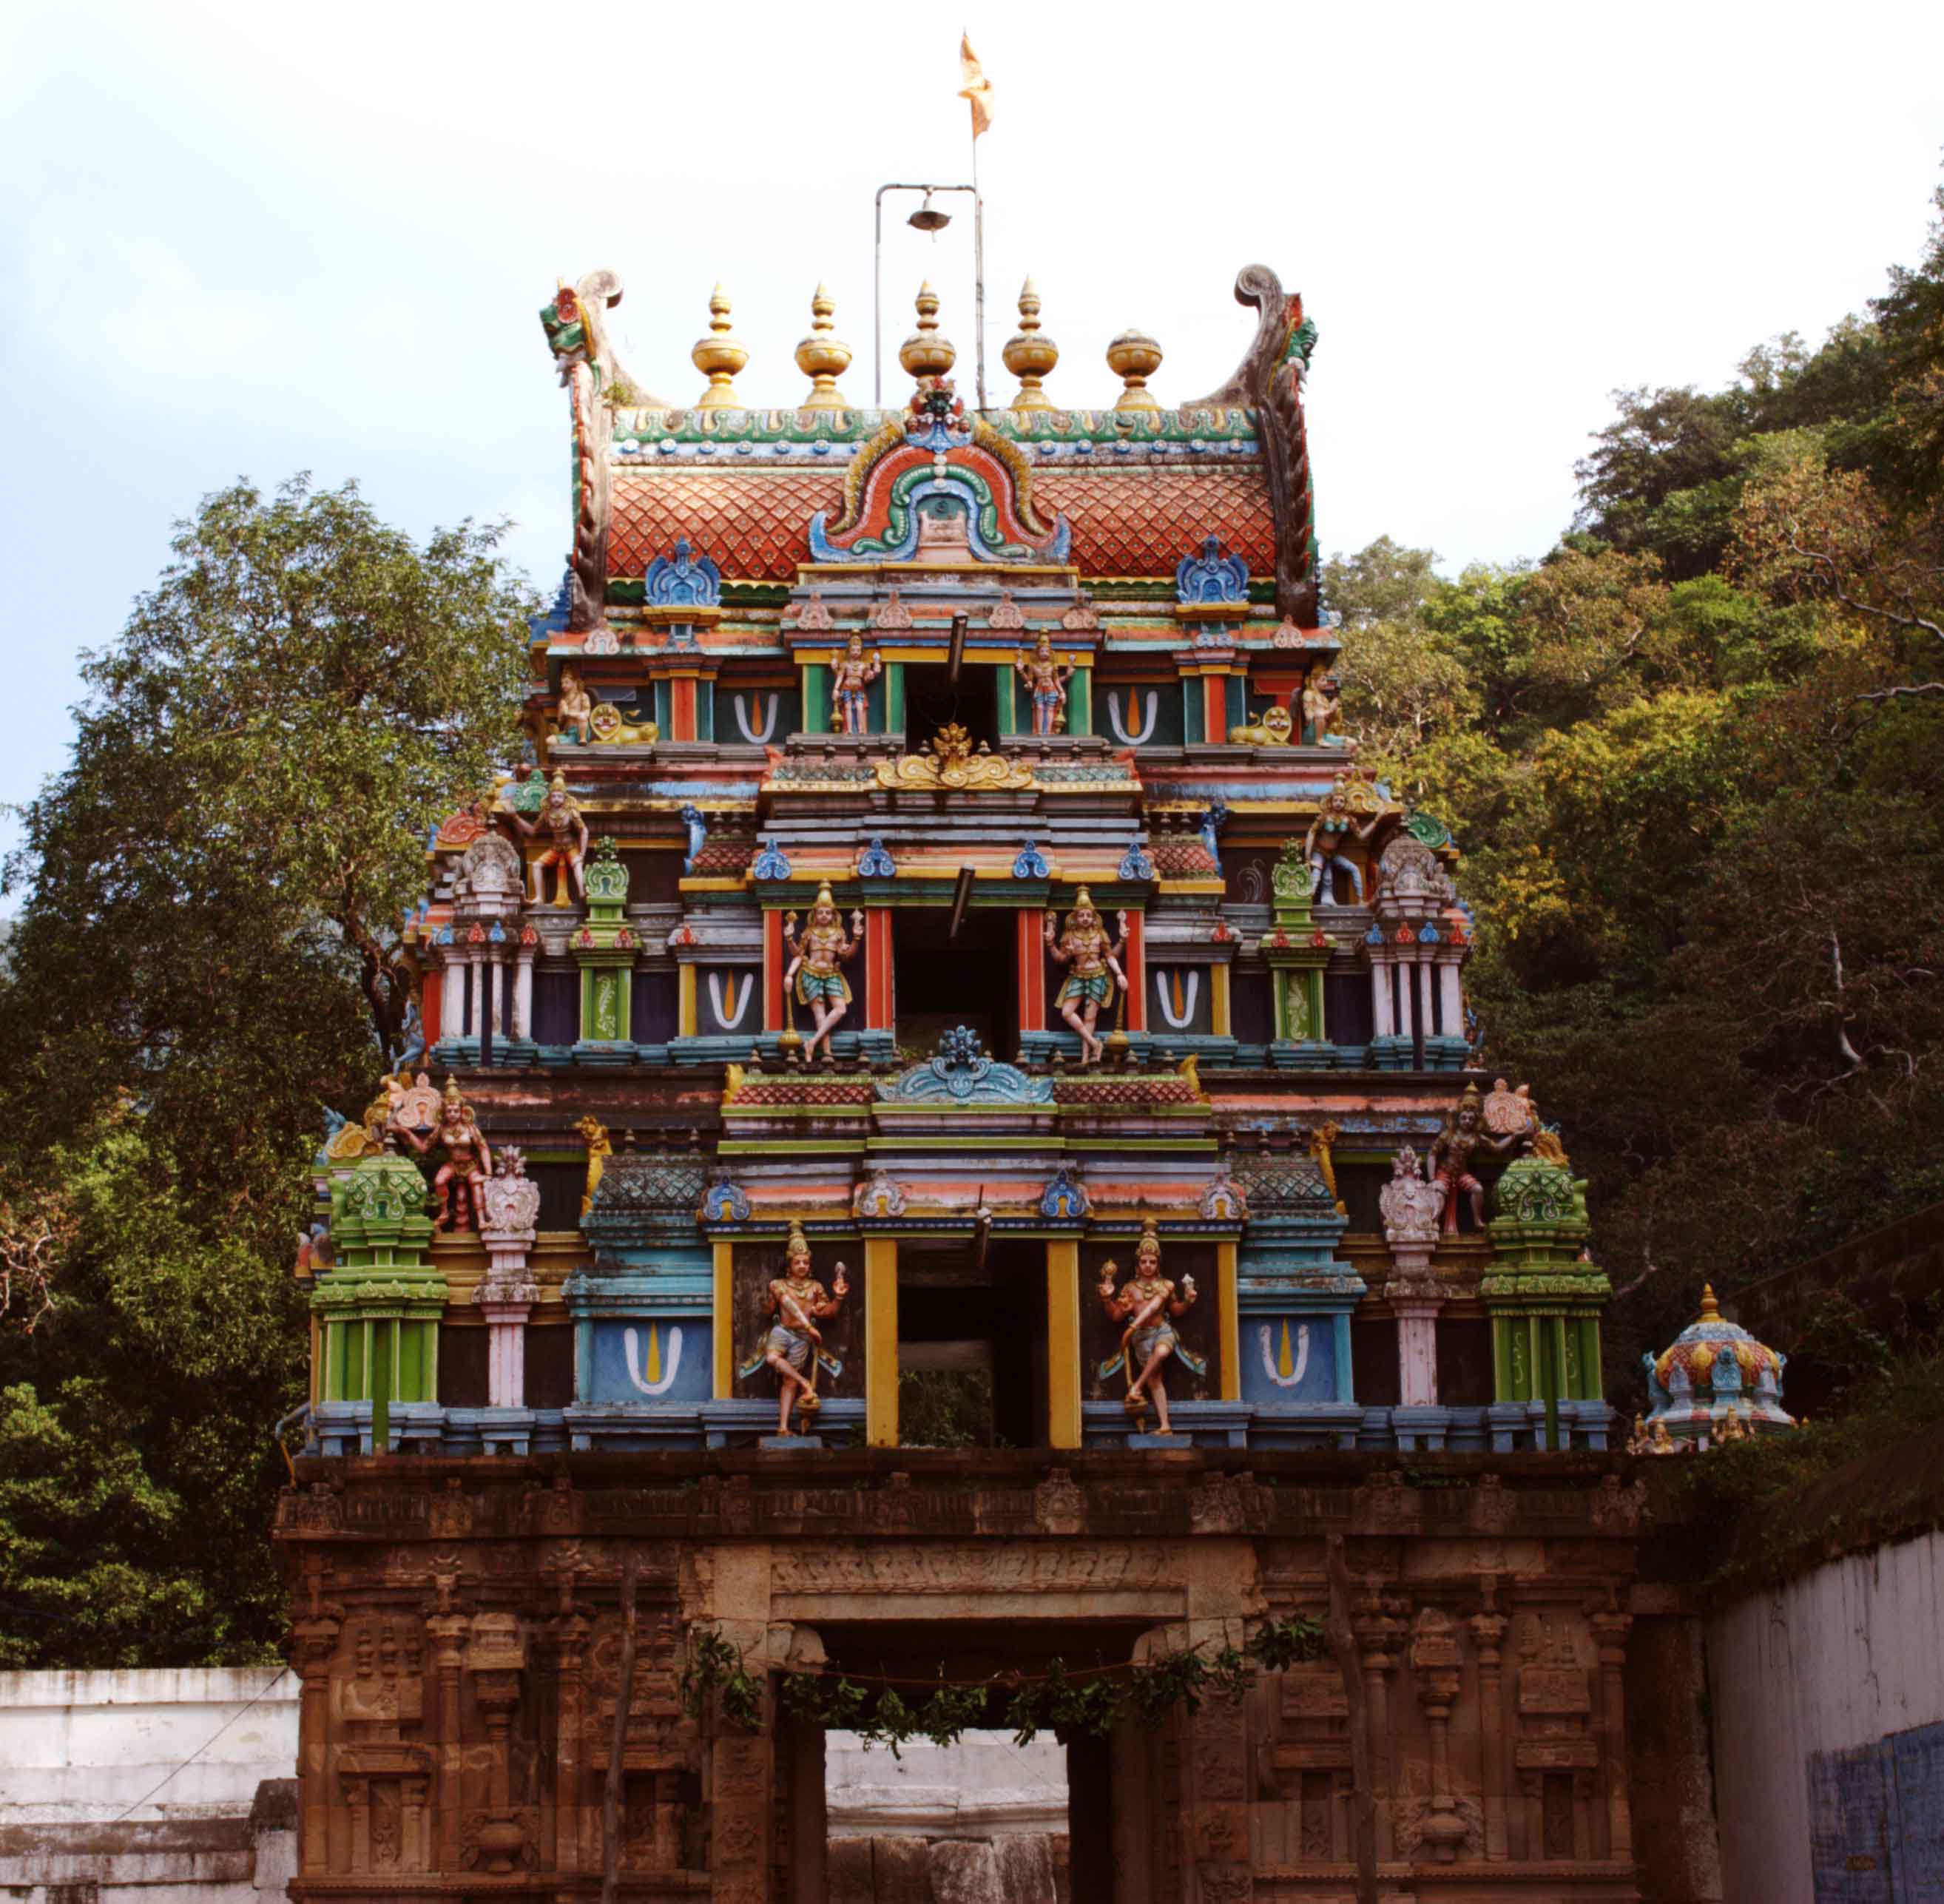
{"type": "Point", "coordinates": [978, 257]}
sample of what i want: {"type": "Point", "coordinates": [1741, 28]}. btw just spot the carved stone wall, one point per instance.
{"type": "Point", "coordinates": [457, 1631]}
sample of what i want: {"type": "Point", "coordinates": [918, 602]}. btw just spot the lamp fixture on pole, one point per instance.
{"type": "Point", "coordinates": [928, 218]}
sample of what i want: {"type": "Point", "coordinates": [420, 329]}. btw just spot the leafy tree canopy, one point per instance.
{"type": "Point", "coordinates": [207, 953]}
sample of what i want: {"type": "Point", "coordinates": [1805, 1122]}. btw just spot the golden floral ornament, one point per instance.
{"type": "Point", "coordinates": [924, 353]}
{"type": "Point", "coordinates": [951, 761]}
{"type": "Point", "coordinates": [1029, 356]}
{"type": "Point", "coordinates": [1134, 357]}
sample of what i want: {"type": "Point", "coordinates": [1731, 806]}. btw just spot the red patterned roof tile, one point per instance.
{"type": "Point", "coordinates": [1142, 520]}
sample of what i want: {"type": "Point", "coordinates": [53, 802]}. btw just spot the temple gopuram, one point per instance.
{"type": "Point", "coordinates": [942, 1138]}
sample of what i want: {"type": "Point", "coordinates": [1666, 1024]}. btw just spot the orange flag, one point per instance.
{"type": "Point", "coordinates": [974, 87]}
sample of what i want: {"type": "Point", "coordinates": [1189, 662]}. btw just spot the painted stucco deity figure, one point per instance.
{"type": "Point", "coordinates": [1093, 960]}
{"type": "Point", "coordinates": [1320, 708]}
{"type": "Point", "coordinates": [559, 820]}
{"type": "Point", "coordinates": [575, 710]}
{"type": "Point", "coordinates": [1463, 1136]}
{"type": "Point", "coordinates": [468, 1161]}
{"type": "Point", "coordinates": [1145, 1305]}
{"type": "Point", "coordinates": [821, 948]}
{"type": "Point", "coordinates": [794, 1346]}
{"type": "Point", "coordinates": [850, 679]}
{"type": "Point", "coordinates": [1335, 825]}
{"type": "Point", "coordinates": [1045, 678]}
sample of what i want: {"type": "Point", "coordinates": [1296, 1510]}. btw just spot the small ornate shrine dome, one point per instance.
{"type": "Point", "coordinates": [1715, 1369]}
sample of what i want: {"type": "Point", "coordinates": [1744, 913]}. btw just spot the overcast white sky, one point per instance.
{"type": "Point", "coordinates": [251, 239]}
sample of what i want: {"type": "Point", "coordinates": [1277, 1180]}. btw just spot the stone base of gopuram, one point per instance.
{"type": "Point", "coordinates": [1528, 1705]}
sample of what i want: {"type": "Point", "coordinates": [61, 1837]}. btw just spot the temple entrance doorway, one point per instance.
{"type": "Point", "coordinates": [944, 979]}
{"type": "Point", "coordinates": [932, 700]}
{"type": "Point", "coordinates": [984, 1818]}
{"type": "Point", "coordinates": [969, 1374]}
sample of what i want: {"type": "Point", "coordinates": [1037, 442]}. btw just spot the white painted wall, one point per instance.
{"type": "Point", "coordinates": [85, 1746]}
{"type": "Point", "coordinates": [1839, 1658]}
{"type": "Point", "coordinates": [985, 1786]}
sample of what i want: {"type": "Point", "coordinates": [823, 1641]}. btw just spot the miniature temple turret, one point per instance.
{"type": "Point", "coordinates": [1714, 1384]}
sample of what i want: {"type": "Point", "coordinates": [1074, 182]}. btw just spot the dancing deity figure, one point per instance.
{"type": "Point", "coordinates": [850, 687]}
{"type": "Point", "coordinates": [1336, 825]}
{"type": "Point", "coordinates": [468, 1161]}
{"type": "Point", "coordinates": [1046, 678]}
{"type": "Point", "coordinates": [823, 946]}
{"type": "Point", "coordinates": [559, 817]}
{"type": "Point", "coordinates": [575, 710]}
{"type": "Point", "coordinates": [1144, 1305]}
{"type": "Point", "coordinates": [794, 1346]}
{"type": "Point", "coordinates": [1463, 1136]}
{"type": "Point", "coordinates": [1094, 959]}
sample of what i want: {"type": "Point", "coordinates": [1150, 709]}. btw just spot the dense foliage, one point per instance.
{"type": "Point", "coordinates": [204, 957]}
{"type": "Point", "coordinates": [1696, 758]}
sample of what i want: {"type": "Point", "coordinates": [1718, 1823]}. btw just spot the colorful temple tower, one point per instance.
{"type": "Point", "coordinates": [940, 846]}
{"type": "Point", "coordinates": [943, 943]}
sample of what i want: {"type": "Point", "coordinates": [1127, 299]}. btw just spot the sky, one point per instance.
{"type": "Point", "coordinates": [247, 240]}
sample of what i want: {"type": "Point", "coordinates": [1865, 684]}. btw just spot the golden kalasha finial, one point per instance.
{"type": "Point", "coordinates": [925, 353]}
{"type": "Point", "coordinates": [1029, 356]}
{"type": "Point", "coordinates": [822, 357]}
{"type": "Point", "coordinates": [1134, 357]}
{"type": "Point", "coordinates": [720, 355]}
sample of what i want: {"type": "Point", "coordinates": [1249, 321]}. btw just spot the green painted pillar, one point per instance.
{"type": "Point", "coordinates": [380, 1302]}
{"type": "Point", "coordinates": [605, 949]}
{"type": "Point", "coordinates": [894, 697]}
{"type": "Point", "coordinates": [816, 697]}
{"type": "Point", "coordinates": [1544, 1302]}
{"type": "Point", "coordinates": [1080, 702]}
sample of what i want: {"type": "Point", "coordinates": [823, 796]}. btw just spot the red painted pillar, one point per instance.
{"type": "Point", "coordinates": [880, 998]}
{"type": "Point", "coordinates": [431, 998]}
{"type": "Point", "coordinates": [1032, 969]}
{"type": "Point", "coordinates": [1215, 706]}
{"type": "Point", "coordinates": [773, 962]}
{"type": "Point", "coordinates": [681, 707]}
{"type": "Point", "coordinates": [1133, 962]}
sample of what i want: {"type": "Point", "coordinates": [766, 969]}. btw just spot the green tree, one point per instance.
{"type": "Point", "coordinates": [207, 954]}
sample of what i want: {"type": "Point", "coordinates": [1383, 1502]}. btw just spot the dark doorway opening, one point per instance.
{"type": "Point", "coordinates": [933, 699]}
{"type": "Point", "coordinates": [942, 982]}
{"type": "Point", "coordinates": [971, 1372]}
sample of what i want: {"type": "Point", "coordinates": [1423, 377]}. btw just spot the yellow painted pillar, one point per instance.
{"type": "Point", "coordinates": [1219, 1022]}
{"type": "Point", "coordinates": [725, 1318]}
{"type": "Point", "coordinates": [1227, 1322]}
{"type": "Point", "coordinates": [1062, 1344]}
{"type": "Point", "coordinates": [684, 996]}
{"type": "Point", "coordinates": [880, 1342]}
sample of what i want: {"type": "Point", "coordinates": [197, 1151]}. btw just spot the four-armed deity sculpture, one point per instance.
{"type": "Point", "coordinates": [851, 678]}
{"type": "Point", "coordinates": [559, 818]}
{"type": "Point", "coordinates": [1145, 1305]}
{"type": "Point", "coordinates": [814, 973]}
{"type": "Point", "coordinates": [1094, 959]}
{"type": "Point", "coordinates": [1045, 678]}
{"type": "Point", "coordinates": [794, 1345]}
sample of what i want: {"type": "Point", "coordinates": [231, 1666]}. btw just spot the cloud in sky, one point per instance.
{"type": "Point", "coordinates": [241, 239]}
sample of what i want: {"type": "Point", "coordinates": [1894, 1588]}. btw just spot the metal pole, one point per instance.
{"type": "Point", "coordinates": [878, 280]}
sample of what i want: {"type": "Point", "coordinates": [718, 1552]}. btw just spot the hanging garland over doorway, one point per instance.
{"type": "Point", "coordinates": [1088, 1701]}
